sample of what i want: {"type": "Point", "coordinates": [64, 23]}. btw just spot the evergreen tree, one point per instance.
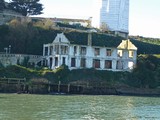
{"type": "Point", "coordinates": [26, 7]}
{"type": "Point", "coordinates": [2, 4]}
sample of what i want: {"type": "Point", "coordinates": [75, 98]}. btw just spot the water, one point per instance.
{"type": "Point", "coordinates": [48, 107]}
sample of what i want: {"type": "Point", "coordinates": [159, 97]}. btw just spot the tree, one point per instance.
{"type": "Point", "coordinates": [62, 73]}
{"type": "Point", "coordinates": [104, 27]}
{"type": "Point", "coordinates": [2, 4]}
{"type": "Point", "coordinates": [26, 7]}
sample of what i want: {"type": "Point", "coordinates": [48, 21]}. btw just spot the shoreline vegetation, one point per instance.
{"type": "Point", "coordinates": [24, 36]}
{"type": "Point", "coordinates": [143, 80]}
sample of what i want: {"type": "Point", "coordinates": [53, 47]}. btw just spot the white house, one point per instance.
{"type": "Point", "coordinates": [90, 50]}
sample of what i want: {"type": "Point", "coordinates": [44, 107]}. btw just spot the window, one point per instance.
{"type": "Point", "coordinates": [83, 62]}
{"type": "Point", "coordinates": [64, 49]}
{"type": "Point", "coordinates": [57, 49]}
{"type": "Point", "coordinates": [59, 39]}
{"type": "Point", "coordinates": [119, 65]}
{"type": "Point", "coordinates": [75, 49]}
{"type": "Point", "coordinates": [108, 52]}
{"type": "Point", "coordinates": [51, 50]}
{"type": "Point", "coordinates": [120, 53]}
{"type": "Point", "coordinates": [44, 62]}
{"type": "Point", "coordinates": [64, 61]}
{"type": "Point", "coordinates": [46, 51]}
{"type": "Point", "coordinates": [50, 62]}
{"type": "Point", "coordinates": [108, 64]}
{"type": "Point", "coordinates": [83, 50]}
{"type": "Point", "coordinates": [96, 63]}
{"type": "Point", "coordinates": [73, 62]}
{"type": "Point", "coordinates": [56, 61]}
{"type": "Point", "coordinates": [131, 54]}
{"type": "Point", "coordinates": [130, 65]}
{"type": "Point", "coordinates": [18, 61]}
{"type": "Point", "coordinates": [96, 51]}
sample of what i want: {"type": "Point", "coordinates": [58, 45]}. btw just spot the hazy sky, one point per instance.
{"type": "Point", "coordinates": [144, 18]}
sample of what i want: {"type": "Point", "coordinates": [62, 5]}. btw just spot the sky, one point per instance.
{"type": "Point", "coordinates": [144, 15]}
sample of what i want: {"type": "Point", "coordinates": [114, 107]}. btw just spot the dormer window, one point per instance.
{"type": "Point", "coordinates": [59, 39]}
{"type": "Point", "coordinates": [120, 53]}
{"type": "Point", "coordinates": [131, 54]}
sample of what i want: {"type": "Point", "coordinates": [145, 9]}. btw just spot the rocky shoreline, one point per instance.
{"type": "Point", "coordinates": [139, 91]}
{"type": "Point", "coordinates": [81, 90]}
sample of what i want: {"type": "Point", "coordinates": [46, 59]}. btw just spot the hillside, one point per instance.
{"type": "Point", "coordinates": [155, 41]}
{"type": "Point", "coordinates": [24, 36]}
{"type": "Point", "coordinates": [146, 45]}
{"type": "Point", "coordinates": [29, 37]}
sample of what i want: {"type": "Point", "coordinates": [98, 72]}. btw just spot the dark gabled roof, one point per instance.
{"type": "Point", "coordinates": [101, 40]}
{"type": "Point", "coordinates": [79, 38]}
{"type": "Point", "coordinates": [105, 40]}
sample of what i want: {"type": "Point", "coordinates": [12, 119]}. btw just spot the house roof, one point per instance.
{"type": "Point", "coordinates": [101, 40]}
{"type": "Point", "coordinates": [79, 38]}
{"type": "Point", "coordinates": [127, 44]}
{"type": "Point", "coordinates": [105, 40]}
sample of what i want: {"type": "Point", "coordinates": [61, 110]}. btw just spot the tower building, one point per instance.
{"type": "Point", "coordinates": [112, 14]}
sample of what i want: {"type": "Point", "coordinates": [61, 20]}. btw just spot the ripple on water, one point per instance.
{"type": "Point", "coordinates": [82, 107]}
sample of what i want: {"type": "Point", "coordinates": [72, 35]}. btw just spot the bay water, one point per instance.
{"type": "Point", "coordinates": [78, 107]}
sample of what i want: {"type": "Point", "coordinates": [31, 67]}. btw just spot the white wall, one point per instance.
{"type": "Point", "coordinates": [124, 60]}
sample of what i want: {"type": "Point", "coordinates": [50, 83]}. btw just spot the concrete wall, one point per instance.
{"type": "Point", "coordinates": [14, 59]}
{"type": "Point", "coordinates": [7, 15]}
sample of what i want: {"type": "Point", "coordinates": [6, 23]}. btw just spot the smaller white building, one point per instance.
{"type": "Point", "coordinates": [7, 59]}
{"type": "Point", "coordinates": [86, 50]}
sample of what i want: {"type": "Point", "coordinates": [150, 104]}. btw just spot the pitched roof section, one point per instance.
{"type": "Point", "coordinates": [105, 40]}
{"type": "Point", "coordinates": [61, 38]}
{"type": "Point", "coordinates": [127, 44]}
{"type": "Point", "coordinates": [78, 38]}
{"type": "Point", "coordinates": [101, 40]}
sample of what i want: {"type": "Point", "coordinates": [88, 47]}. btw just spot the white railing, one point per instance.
{"type": "Point", "coordinates": [20, 55]}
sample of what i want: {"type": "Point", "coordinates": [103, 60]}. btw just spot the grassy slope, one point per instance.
{"type": "Point", "coordinates": [24, 38]}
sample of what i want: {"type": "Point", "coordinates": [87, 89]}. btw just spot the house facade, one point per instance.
{"type": "Point", "coordinates": [90, 52]}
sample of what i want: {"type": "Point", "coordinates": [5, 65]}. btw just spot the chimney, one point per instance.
{"type": "Point", "coordinates": [89, 39]}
